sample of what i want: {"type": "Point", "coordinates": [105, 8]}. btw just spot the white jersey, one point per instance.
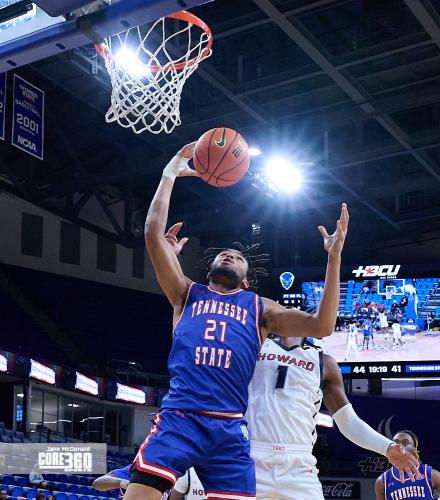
{"type": "Point", "coordinates": [190, 486]}
{"type": "Point", "coordinates": [352, 334]}
{"type": "Point", "coordinates": [383, 320]}
{"type": "Point", "coordinates": [397, 331]}
{"type": "Point", "coordinates": [285, 395]}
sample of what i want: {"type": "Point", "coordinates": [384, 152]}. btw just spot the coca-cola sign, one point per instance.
{"type": "Point", "coordinates": [341, 489]}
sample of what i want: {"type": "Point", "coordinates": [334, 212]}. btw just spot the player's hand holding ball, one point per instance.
{"type": "Point", "coordinates": [178, 166]}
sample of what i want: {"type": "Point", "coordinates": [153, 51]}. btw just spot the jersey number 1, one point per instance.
{"type": "Point", "coordinates": [281, 379]}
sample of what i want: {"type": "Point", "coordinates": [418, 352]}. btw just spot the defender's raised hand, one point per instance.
{"type": "Point", "coordinates": [171, 237]}
{"type": "Point", "coordinates": [334, 243]}
{"type": "Point", "coordinates": [403, 461]}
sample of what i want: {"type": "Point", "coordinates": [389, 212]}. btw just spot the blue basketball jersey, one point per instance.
{"type": "Point", "coordinates": [420, 489]}
{"type": "Point", "coordinates": [215, 346]}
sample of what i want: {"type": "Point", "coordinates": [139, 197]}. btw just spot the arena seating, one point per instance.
{"type": "Point", "coordinates": [61, 486]}
{"type": "Point", "coordinates": [428, 292]}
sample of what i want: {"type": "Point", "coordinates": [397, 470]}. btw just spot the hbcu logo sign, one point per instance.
{"type": "Point", "coordinates": [386, 271]}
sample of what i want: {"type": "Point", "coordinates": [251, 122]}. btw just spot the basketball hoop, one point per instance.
{"type": "Point", "coordinates": [148, 67]}
{"type": "Point", "coordinates": [389, 295]}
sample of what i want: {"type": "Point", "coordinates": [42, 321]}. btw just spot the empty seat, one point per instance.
{"type": "Point", "coordinates": [59, 486]}
{"type": "Point", "coordinates": [45, 492]}
{"type": "Point", "coordinates": [7, 480]}
{"type": "Point", "coordinates": [21, 481]}
{"type": "Point", "coordinates": [72, 488]}
{"type": "Point", "coordinates": [60, 496]}
{"type": "Point", "coordinates": [16, 491]}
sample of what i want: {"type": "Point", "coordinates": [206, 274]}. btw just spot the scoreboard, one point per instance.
{"type": "Point", "coordinates": [391, 369]}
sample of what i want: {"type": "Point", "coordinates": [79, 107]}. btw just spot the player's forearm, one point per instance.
{"type": "Point", "coordinates": [157, 215]}
{"type": "Point", "coordinates": [359, 432]}
{"type": "Point", "coordinates": [106, 483]}
{"type": "Point", "coordinates": [328, 307]}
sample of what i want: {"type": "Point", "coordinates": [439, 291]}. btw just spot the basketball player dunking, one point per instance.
{"type": "Point", "coordinates": [290, 380]}
{"type": "Point", "coordinates": [218, 331]}
{"type": "Point", "coordinates": [390, 486]}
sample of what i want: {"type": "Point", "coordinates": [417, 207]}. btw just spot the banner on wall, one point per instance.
{"type": "Point", "coordinates": [42, 372]}
{"type": "Point", "coordinates": [28, 118]}
{"type": "Point", "coordinates": [2, 105]}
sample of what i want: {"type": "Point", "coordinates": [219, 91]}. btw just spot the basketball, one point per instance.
{"type": "Point", "coordinates": [221, 157]}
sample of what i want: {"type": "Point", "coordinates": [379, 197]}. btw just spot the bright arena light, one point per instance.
{"type": "Point", "coordinates": [283, 175]}
{"type": "Point", "coordinates": [253, 151]}
{"type": "Point", "coordinates": [128, 61]}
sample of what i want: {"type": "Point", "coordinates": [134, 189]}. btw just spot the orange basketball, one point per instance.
{"type": "Point", "coordinates": [221, 157]}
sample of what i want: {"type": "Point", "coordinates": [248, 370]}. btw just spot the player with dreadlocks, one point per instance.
{"type": "Point", "coordinates": [391, 486]}
{"type": "Point", "coordinates": [218, 332]}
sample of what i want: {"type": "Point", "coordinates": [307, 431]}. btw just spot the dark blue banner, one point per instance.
{"type": "Point", "coordinates": [2, 105]}
{"type": "Point", "coordinates": [28, 118]}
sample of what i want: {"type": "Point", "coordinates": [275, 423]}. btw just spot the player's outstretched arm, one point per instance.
{"type": "Point", "coordinates": [168, 271]}
{"type": "Point", "coordinates": [356, 430]}
{"type": "Point", "coordinates": [291, 322]}
{"type": "Point", "coordinates": [109, 482]}
{"type": "Point", "coordinates": [379, 489]}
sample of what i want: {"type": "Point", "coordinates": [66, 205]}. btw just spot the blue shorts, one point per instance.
{"type": "Point", "coordinates": [217, 448]}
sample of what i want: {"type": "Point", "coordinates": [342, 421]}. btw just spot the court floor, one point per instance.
{"type": "Point", "coordinates": [419, 347]}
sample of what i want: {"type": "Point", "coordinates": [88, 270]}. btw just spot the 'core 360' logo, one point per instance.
{"type": "Point", "coordinates": [66, 461]}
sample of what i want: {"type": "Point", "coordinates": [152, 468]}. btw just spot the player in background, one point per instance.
{"type": "Point", "coordinates": [189, 487]}
{"type": "Point", "coordinates": [218, 331]}
{"type": "Point", "coordinates": [390, 486]}
{"type": "Point", "coordinates": [291, 379]}
{"type": "Point", "coordinates": [397, 334]}
{"type": "Point", "coordinates": [383, 323]}
{"type": "Point", "coordinates": [352, 341]}
{"type": "Point", "coordinates": [367, 329]}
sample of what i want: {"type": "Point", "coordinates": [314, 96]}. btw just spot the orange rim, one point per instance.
{"type": "Point", "coordinates": [183, 15]}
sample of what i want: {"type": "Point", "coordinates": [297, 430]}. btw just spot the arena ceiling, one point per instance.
{"type": "Point", "coordinates": [351, 86]}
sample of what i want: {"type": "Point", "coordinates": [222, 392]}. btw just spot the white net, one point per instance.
{"type": "Point", "coordinates": [147, 83]}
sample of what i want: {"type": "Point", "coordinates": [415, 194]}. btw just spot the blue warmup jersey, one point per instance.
{"type": "Point", "coordinates": [420, 489]}
{"type": "Point", "coordinates": [215, 347]}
